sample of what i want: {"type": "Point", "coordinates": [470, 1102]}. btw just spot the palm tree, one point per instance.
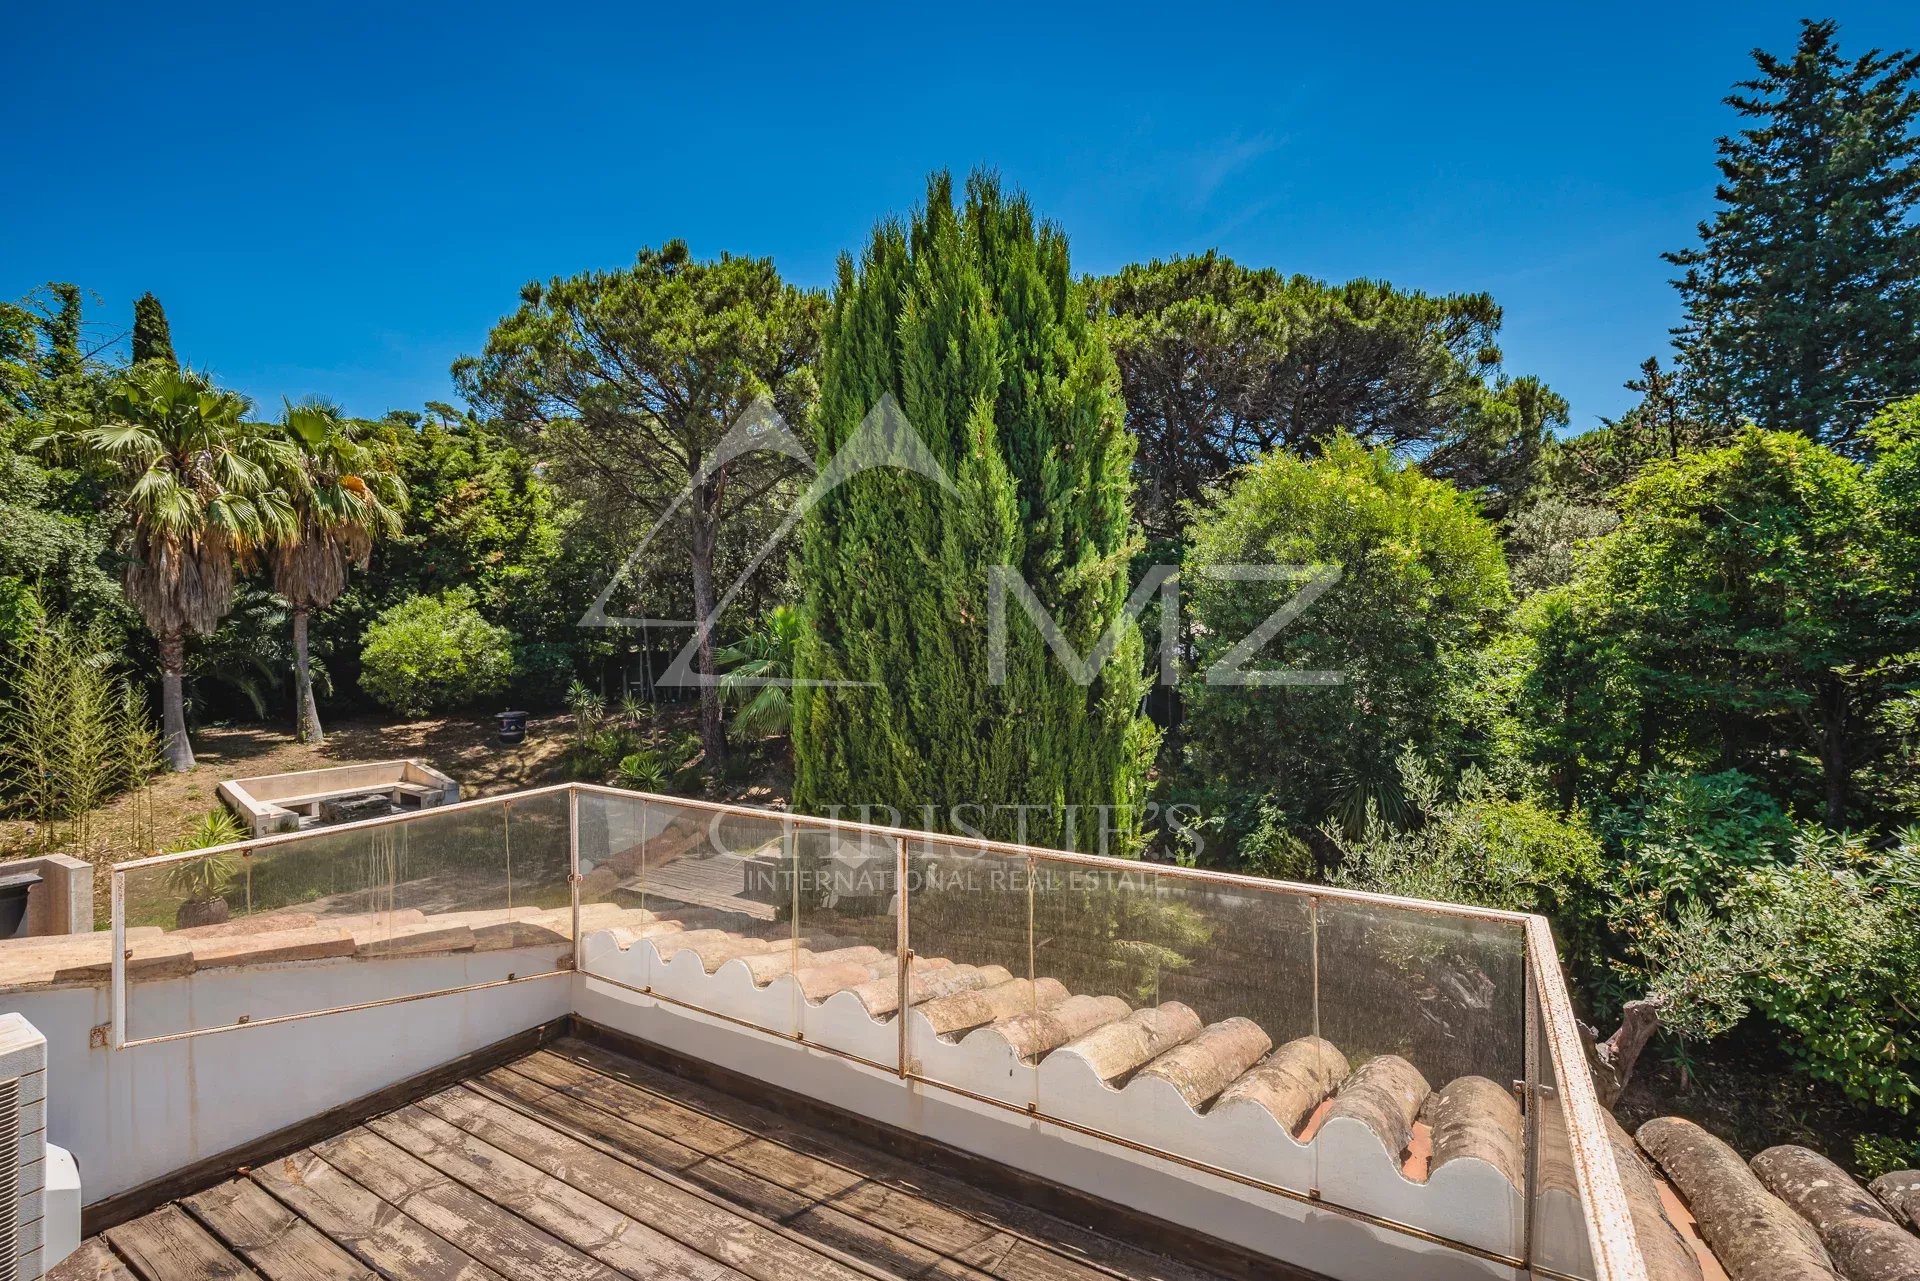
{"type": "Point", "coordinates": [760, 668]}
{"type": "Point", "coordinates": [202, 493]}
{"type": "Point", "coordinates": [347, 494]}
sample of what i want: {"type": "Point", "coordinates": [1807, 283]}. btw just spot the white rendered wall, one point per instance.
{"type": "Point", "coordinates": [133, 1115]}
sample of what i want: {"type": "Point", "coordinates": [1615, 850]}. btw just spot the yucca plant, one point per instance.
{"type": "Point", "coordinates": [643, 772]}
{"type": "Point", "coordinates": [201, 883]}
{"type": "Point", "coordinates": [203, 489]}
{"type": "Point", "coordinates": [344, 494]}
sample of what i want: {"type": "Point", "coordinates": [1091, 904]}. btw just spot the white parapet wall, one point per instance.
{"type": "Point", "coordinates": [136, 1114]}
{"type": "Point", "coordinates": [1477, 1206]}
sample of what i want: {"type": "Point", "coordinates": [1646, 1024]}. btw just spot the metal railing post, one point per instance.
{"type": "Point", "coordinates": [573, 872]}
{"type": "Point", "coordinates": [1530, 1106]}
{"type": "Point", "coordinates": [117, 890]}
{"type": "Point", "coordinates": [790, 842]}
{"type": "Point", "coordinates": [903, 949]}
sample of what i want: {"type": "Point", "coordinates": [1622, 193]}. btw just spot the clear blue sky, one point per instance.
{"type": "Point", "coordinates": [341, 202]}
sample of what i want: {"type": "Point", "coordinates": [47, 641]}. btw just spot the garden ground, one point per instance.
{"type": "Point", "coordinates": [464, 747]}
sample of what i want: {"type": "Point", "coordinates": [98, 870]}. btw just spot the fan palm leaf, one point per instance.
{"type": "Point", "coordinates": [759, 674]}
{"type": "Point", "coordinates": [197, 483]}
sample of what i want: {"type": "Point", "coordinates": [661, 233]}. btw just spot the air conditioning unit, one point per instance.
{"type": "Point", "coordinates": [39, 1187]}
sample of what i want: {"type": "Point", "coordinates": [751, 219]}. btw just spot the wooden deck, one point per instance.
{"type": "Point", "coordinates": [578, 1164]}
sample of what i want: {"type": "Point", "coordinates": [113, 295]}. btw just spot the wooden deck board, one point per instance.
{"type": "Point", "coordinates": [92, 1260]}
{"type": "Point", "coordinates": [1023, 1224]}
{"type": "Point", "coordinates": [376, 1233]}
{"type": "Point", "coordinates": [276, 1242]}
{"type": "Point", "coordinates": [577, 1164]}
{"type": "Point", "coordinates": [168, 1245]}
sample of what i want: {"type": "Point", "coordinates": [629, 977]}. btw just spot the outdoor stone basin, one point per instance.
{"type": "Point", "coordinates": [273, 803]}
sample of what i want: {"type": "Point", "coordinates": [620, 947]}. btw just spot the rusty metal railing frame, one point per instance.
{"type": "Point", "coordinates": [1609, 1227]}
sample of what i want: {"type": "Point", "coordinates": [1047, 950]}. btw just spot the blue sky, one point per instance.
{"type": "Point", "coordinates": [340, 202]}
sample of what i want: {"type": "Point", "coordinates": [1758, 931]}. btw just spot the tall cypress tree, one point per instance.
{"type": "Point", "coordinates": [970, 320]}
{"type": "Point", "coordinates": [152, 338]}
{"type": "Point", "coordinates": [1803, 296]}
{"type": "Point", "coordinates": [61, 325]}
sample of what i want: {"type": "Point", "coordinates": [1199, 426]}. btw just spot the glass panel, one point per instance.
{"type": "Point", "coordinates": [612, 831]}
{"type": "Point", "coordinates": [848, 919]}
{"type": "Point", "coordinates": [726, 880]}
{"type": "Point", "coordinates": [970, 929]}
{"type": "Point", "coordinates": [612, 844]}
{"type": "Point", "coordinates": [1444, 992]}
{"type": "Point", "coordinates": [1230, 951]}
{"type": "Point", "coordinates": [462, 896]}
{"type": "Point", "coordinates": [1095, 930]}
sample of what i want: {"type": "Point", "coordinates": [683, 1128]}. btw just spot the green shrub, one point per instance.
{"type": "Point", "coordinates": [642, 771]}
{"type": "Point", "coordinates": [593, 756]}
{"type": "Point", "coordinates": [433, 654]}
{"type": "Point", "coordinates": [1838, 962]}
{"type": "Point", "coordinates": [1822, 946]}
{"type": "Point", "coordinates": [1481, 848]}
{"type": "Point", "coordinates": [1691, 836]}
{"type": "Point", "coordinates": [209, 876]}
{"type": "Point", "coordinates": [1878, 1154]}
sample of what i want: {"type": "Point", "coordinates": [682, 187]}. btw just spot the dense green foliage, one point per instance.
{"type": "Point", "coordinates": [970, 320]}
{"type": "Point", "coordinates": [1405, 631]}
{"type": "Point", "coordinates": [644, 384]}
{"type": "Point", "coordinates": [434, 654]}
{"type": "Point", "coordinates": [1750, 612]}
{"type": "Point", "coordinates": [1220, 363]}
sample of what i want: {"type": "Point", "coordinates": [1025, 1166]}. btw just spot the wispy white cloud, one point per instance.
{"type": "Point", "coordinates": [1213, 167]}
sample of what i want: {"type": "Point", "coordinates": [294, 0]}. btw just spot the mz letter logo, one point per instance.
{"type": "Point", "coordinates": [1164, 580]}
{"type": "Point", "coordinates": [886, 439]}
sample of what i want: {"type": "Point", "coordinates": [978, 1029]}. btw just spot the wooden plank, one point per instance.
{"type": "Point", "coordinates": [733, 1188]}
{"type": "Point", "coordinates": [503, 1241]}
{"type": "Point", "coordinates": [278, 1243]}
{"type": "Point", "coordinates": [590, 1226]}
{"type": "Point", "coordinates": [168, 1245]}
{"type": "Point", "coordinates": [809, 1179]}
{"type": "Point", "coordinates": [374, 1232]}
{"type": "Point", "coordinates": [900, 1208]}
{"type": "Point", "coordinates": [893, 1254]}
{"type": "Point", "coordinates": [91, 1260]}
{"type": "Point", "coordinates": [632, 1142]}
{"type": "Point", "coordinates": [1127, 1243]}
{"type": "Point", "coordinates": [628, 1186]}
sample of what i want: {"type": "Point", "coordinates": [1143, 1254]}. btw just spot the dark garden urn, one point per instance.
{"type": "Point", "coordinates": [513, 726]}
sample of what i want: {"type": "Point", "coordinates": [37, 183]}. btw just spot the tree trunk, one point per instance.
{"type": "Point", "coordinates": [173, 707]}
{"type": "Point", "coordinates": [1613, 1060]}
{"type": "Point", "coordinates": [306, 714]}
{"type": "Point", "coordinates": [713, 734]}
{"type": "Point", "coordinates": [1833, 749]}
